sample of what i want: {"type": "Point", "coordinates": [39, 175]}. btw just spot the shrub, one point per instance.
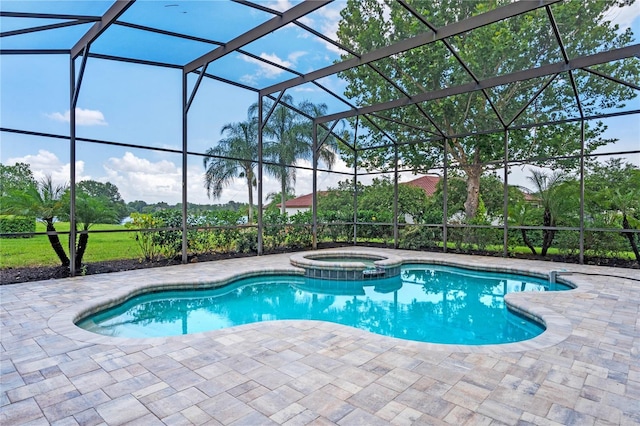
{"type": "Point", "coordinates": [274, 231]}
{"type": "Point", "coordinates": [144, 239]}
{"type": "Point", "coordinates": [247, 241]}
{"type": "Point", "coordinates": [335, 225]}
{"type": "Point", "coordinates": [300, 233]}
{"type": "Point", "coordinates": [169, 242]}
{"type": "Point", "coordinates": [223, 239]}
{"type": "Point", "coordinates": [369, 229]}
{"type": "Point", "coordinates": [11, 224]}
{"type": "Point", "coordinates": [419, 237]}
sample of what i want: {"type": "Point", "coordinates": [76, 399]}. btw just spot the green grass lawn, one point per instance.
{"type": "Point", "coordinates": [36, 251]}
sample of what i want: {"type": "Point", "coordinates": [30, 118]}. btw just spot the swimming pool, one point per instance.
{"type": "Point", "coordinates": [425, 303]}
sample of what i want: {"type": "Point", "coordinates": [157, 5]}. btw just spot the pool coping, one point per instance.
{"type": "Point", "coordinates": [531, 305]}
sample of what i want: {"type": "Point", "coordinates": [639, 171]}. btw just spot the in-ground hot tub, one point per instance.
{"type": "Point", "coordinates": [348, 265]}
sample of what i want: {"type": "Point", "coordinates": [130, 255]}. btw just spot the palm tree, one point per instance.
{"type": "Point", "coordinates": [546, 187]}
{"type": "Point", "coordinates": [90, 211]}
{"type": "Point", "coordinates": [48, 202]}
{"type": "Point", "coordinates": [520, 214]}
{"type": "Point", "coordinates": [232, 158]}
{"type": "Point", "coordinates": [45, 201]}
{"type": "Point", "coordinates": [291, 140]}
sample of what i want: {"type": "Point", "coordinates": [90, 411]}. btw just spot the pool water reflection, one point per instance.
{"type": "Point", "coordinates": [425, 303]}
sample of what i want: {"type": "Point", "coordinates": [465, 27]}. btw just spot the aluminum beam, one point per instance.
{"type": "Point", "coordinates": [271, 25]}
{"type": "Point", "coordinates": [48, 16]}
{"type": "Point", "coordinates": [615, 80]}
{"type": "Point", "coordinates": [167, 33]}
{"type": "Point", "coordinates": [133, 60]}
{"type": "Point", "coordinates": [581, 62]}
{"type": "Point", "coordinates": [76, 90]}
{"type": "Point", "coordinates": [34, 51]}
{"type": "Point", "coordinates": [72, 165]}
{"type": "Point", "coordinates": [42, 28]}
{"type": "Point", "coordinates": [484, 19]}
{"type": "Point", "coordinates": [113, 13]}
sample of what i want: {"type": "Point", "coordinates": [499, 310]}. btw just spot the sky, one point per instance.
{"type": "Point", "coordinates": [141, 105]}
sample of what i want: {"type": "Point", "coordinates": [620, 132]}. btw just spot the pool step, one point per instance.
{"type": "Point", "coordinates": [373, 273]}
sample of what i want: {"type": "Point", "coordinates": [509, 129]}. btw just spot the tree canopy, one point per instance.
{"type": "Point", "coordinates": [507, 46]}
{"type": "Point", "coordinates": [110, 195]}
{"type": "Point", "coordinates": [288, 139]}
{"type": "Point", "coordinates": [15, 178]}
{"type": "Point", "coordinates": [233, 157]}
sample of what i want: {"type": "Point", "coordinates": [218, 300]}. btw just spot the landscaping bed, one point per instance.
{"type": "Point", "coordinates": [19, 275]}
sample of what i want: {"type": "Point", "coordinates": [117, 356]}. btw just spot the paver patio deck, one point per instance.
{"type": "Point", "coordinates": [584, 370]}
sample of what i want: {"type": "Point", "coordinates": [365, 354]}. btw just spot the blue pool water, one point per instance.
{"type": "Point", "coordinates": [425, 303]}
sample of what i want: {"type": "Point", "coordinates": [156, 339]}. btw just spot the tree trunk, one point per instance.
{"type": "Point", "coordinates": [630, 236]}
{"type": "Point", "coordinates": [473, 192]}
{"type": "Point", "coordinates": [83, 240]}
{"type": "Point", "coordinates": [527, 242]}
{"type": "Point", "coordinates": [250, 183]}
{"type": "Point", "coordinates": [55, 243]}
{"type": "Point", "coordinates": [283, 194]}
{"type": "Point", "coordinates": [547, 234]}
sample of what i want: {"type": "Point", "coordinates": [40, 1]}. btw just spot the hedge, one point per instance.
{"type": "Point", "coordinates": [10, 224]}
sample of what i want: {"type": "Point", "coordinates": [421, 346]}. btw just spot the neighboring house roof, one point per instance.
{"type": "Point", "coordinates": [427, 183]}
{"type": "Point", "coordinates": [526, 192]}
{"type": "Point", "coordinates": [303, 201]}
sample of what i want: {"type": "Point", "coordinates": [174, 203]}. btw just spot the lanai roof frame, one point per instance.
{"type": "Point", "coordinates": [198, 66]}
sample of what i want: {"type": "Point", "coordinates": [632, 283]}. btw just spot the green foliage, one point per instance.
{"type": "Point", "coordinates": [137, 206]}
{"type": "Point", "coordinates": [416, 237]}
{"type": "Point", "coordinates": [613, 198]}
{"type": "Point", "coordinates": [247, 241]}
{"type": "Point", "coordinates": [222, 238]}
{"type": "Point", "coordinates": [95, 203]}
{"type": "Point", "coordinates": [15, 178]}
{"type": "Point", "coordinates": [233, 157]}
{"type": "Point", "coordinates": [289, 139]}
{"type": "Point", "coordinates": [11, 224]}
{"type": "Point", "coordinates": [144, 238]}
{"type": "Point", "coordinates": [335, 225]}
{"type": "Point", "coordinates": [45, 201]}
{"type": "Point", "coordinates": [299, 233]}
{"type": "Point", "coordinates": [274, 229]}
{"type": "Point", "coordinates": [491, 196]}
{"type": "Point", "coordinates": [170, 241]}
{"type": "Point", "coordinates": [110, 196]}
{"type": "Point", "coordinates": [504, 47]}
{"type": "Point", "coordinates": [207, 232]}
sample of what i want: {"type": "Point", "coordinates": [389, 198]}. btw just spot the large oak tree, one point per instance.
{"type": "Point", "coordinates": [508, 46]}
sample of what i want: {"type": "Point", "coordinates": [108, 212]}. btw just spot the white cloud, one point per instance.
{"type": "Point", "coordinates": [293, 56]}
{"type": "Point", "coordinates": [84, 117]}
{"type": "Point", "coordinates": [154, 181]}
{"type": "Point", "coordinates": [280, 5]}
{"type": "Point", "coordinates": [302, 89]}
{"type": "Point", "coordinates": [140, 179]}
{"type": "Point", "coordinates": [46, 163]}
{"type": "Point", "coordinates": [269, 71]}
{"type": "Point", "coordinates": [325, 20]}
{"type": "Point", "coordinates": [304, 178]}
{"type": "Point", "coordinates": [623, 16]}
{"type": "Point", "coordinates": [266, 70]}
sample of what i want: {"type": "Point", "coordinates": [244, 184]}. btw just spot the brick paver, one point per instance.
{"type": "Point", "coordinates": [585, 369]}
